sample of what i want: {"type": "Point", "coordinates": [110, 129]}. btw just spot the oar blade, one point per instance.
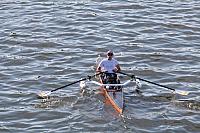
{"type": "Point", "coordinates": [43, 94]}
{"type": "Point", "coordinates": [184, 93]}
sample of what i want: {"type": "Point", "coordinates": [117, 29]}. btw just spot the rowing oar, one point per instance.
{"type": "Point", "coordinates": [176, 91]}
{"type": "Point", "coordinates": [44, 94]}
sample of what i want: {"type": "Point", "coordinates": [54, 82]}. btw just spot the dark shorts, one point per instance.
{"type": "Point", "coordinates": [110, 78]}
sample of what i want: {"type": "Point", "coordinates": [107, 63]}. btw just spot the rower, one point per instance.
{"type": "Point", "coordinates": [109, 66]}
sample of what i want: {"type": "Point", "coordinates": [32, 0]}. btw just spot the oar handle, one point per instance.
{"type": "Point", "coordinates": [146, 81]}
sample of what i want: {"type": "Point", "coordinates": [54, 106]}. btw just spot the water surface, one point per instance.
{"type": "Point", "coordinates": [48, 44]}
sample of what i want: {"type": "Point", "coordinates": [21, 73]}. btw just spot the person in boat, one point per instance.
{"type": "Point", "coordinates": [109, 66]}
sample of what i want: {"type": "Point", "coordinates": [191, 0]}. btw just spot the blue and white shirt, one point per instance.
{"type": "Point", "coordinates": [108, 65]}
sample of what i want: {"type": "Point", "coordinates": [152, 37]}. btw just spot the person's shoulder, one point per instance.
{"type": "Point", "coordinates": [105, 59]}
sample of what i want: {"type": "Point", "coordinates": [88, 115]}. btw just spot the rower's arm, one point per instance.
{"type": "Point", "coordinates": [117, 68]}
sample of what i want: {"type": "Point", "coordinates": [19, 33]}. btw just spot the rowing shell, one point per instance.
{"type": "Point", "coordinates": [113, 97]}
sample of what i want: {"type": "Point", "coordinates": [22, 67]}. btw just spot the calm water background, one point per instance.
{"type": "Point", "coordinates": [47, 44]}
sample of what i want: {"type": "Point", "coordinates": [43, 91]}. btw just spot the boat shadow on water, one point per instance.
{"type": "Point", "coordinates": [173, 99]}
{"type": "Point", "coordinates": [187, 104]}
{"type": "Point", "coordinates": [77, 100]}
{"type": "Point", "coordinates": [55, 102]}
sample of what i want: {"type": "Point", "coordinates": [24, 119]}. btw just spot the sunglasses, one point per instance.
{"type": "Point", "coordinates": [110, 54]}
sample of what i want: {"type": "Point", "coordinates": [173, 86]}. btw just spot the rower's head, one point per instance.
{"type": "Point", "coordinates": [110, 54]}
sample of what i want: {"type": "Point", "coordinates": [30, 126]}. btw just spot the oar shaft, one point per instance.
{"type": "Point", "coordinates": [68, 85]}
{"type": "Point", "coordinates": [147, 81]}
{"type": "Point", "coordinates": [89, 77]}
{"type": "Point", "coordinates": [155, 83]}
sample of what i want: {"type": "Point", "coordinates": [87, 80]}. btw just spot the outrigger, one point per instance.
{"type": "Point", "coordinates": [113, 92]}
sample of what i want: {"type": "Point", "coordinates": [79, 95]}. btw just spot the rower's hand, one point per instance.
{"type": "Point", "coordinates": [101, 72]}
{"type": "Point", "coordinates": [115, 70]}
{"type": "Point", "coordinates": [98, 71]}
